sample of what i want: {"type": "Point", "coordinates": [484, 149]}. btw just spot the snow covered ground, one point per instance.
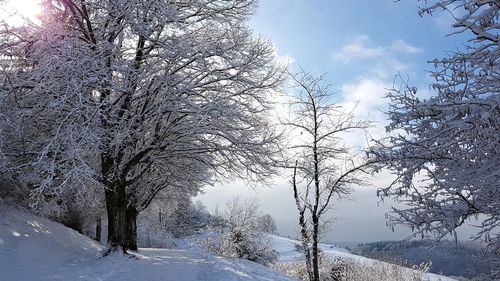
{"type": "Point", "coordinates": [286, 249]}
{"type": "Point", "coordinates": [34, 248]}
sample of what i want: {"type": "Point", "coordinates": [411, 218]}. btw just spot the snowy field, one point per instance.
{"type": "Point", "coordinates": [34, 248]}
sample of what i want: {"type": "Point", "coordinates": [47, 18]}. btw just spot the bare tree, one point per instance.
{"type": "Point", "coordinates": [137, 96]}
{"type": "Point", "coordinates": [445, 149]}
{"type": "Point", "coordinates": [324, 164]}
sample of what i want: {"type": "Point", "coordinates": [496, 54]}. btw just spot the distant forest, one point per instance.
{"type": "Point", "coordinates": [464, 258]}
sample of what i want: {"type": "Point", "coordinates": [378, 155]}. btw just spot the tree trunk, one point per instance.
{"type": "Point", "coordinates": [122, 219]}
{"type": "Point", "coordinates": [315, 250]}
{"type": "Point", "coordinates": [98, 229]}
{"type": "Point", "coordinates": [116, 206]}
{"type": "Point", "coordinates": [131, 228]}
{"type": "Point", "coordinates": [304, 236]}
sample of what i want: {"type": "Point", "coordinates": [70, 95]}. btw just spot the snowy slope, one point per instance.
{"type": "Point", "coordinates": [286, 249]}
{"type": "Point", "coordinates": [34, 248]}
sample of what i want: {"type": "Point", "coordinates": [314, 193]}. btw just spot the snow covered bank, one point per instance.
{"type": "Point", "coordinates": [35, 248]}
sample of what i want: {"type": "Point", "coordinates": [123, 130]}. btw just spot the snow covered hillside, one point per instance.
{"type": "Point", "coordinates": [34, 248]}
{"type": "Point", "coordinates": [288, 253]}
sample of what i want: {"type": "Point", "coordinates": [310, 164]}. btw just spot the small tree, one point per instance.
{"type": "Point", "coordinates": [268, 223]}
{"type": "Point", "coordinates": [324, 165]}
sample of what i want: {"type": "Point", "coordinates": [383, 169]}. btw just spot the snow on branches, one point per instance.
{"type": "Point", "coordinates": [139, 95]}
{"type": "Point", "coordinates": [445, 150]}
{"type": "Point", "coordinates": [324, 164]}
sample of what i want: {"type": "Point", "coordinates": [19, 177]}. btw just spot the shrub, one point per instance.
{"type": "Point", "coordinates": [239, 233]}
{"type": "Point", "coordinates": [344, 269]}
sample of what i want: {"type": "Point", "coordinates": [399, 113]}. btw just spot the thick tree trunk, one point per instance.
{"type": "Point", "coordinates": [98, 229]}
{"type": "Point", "coordinates": [131, 228]}
{"type": "Point", "coordinates": [122, 219]}
{"type": "Point", "coordinates": [116, 206]}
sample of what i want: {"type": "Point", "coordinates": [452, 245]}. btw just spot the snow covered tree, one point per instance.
{"type": "Point", "coordinates": [137, 96]}
{"type": "Point", "coordinates": [268, 223]}
{"type": "Point", "coordinates": [241, 235]}
{"type": "Point", "coordinates": [324, 165]}
{"type": "Point", "coordinates": [445, 149]}
{"type": "Point", "coordinates": [172, 214]}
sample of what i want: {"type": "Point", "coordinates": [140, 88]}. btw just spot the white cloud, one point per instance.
{"type": "Point", "coordinates": [366, 96]}
{"type": "Point", "coordinates": [387, 67]}
{"type": "Point", "coordinates": [283, 59]}
{"type": "Point", "coordinates": [366, 92]}
{"type": "Point", "coordinates": [361, 48]}
{"type": "Point", "coordinates": [358, 49]}
{"type": "Point", "coordinates": [401, 46]}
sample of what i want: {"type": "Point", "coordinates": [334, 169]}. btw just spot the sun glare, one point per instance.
{"type": "Point", "coordinates": [17, 11]}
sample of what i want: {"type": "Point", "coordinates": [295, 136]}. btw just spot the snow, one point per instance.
{"type": "Point", "coordinates": [34, 248]}
{"type": "Point", "coordinates": [288, 253]}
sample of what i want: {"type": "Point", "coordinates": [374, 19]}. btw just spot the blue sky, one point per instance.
{"type": "Point", "coordinates": [312, 32]}
{"type": "Point", "coordinates": [362, 44]}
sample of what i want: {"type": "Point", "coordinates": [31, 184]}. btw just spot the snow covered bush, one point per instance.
{"type": "Point", "coordinates": [338, 269]}
{"type": "Point", "coordinates": [153, 235]}
{"type": "Point", "coordinates": [241, 235]}
{"type": "Point", "coordinates": [169, 217]}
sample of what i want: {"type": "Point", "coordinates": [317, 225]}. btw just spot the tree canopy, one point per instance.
{"type": "Point", "coordinates": [135, 96]}
{"type": "Point", "coordinates": [445, 149]}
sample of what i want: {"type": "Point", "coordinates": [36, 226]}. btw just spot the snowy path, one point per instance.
{"type": "Point", "coordinates": [157, 264]}
{"type": "Point", "coordinates": [149, 264]}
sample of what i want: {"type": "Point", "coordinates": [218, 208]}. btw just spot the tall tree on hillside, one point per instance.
{"type": "Point", "coordinates": [445, 149]}
{"type": "Point", "coordinates": [324, 165]}
{"type": "Point", "coordinates": [135, 96]}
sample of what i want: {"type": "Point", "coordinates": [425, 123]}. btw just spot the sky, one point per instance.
{"type": "Point", "coordinates": [361, 45]}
